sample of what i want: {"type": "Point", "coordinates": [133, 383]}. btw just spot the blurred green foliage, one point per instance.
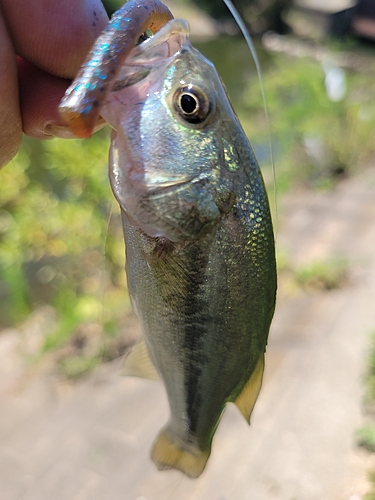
{"type": "Point", "coordinates": [365, 437]}
{"type": "Point", "coordinates": [76, 366]}
{"type": "Point", "coordinates": [323, 275]}
{"type": "Point", "coordinates": [56, 245]}
{"type": "Point", "coordinates": [370, 378]}
{"type": "Point", "coordinates": [371, 494]}
{"type": "Point", "coordinates": [316, 140]}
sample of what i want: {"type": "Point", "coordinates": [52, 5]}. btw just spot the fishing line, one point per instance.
{"type": "Point", "coordinates": [245, 32]}
{"type": "Point", "coordinates": [104, 280]}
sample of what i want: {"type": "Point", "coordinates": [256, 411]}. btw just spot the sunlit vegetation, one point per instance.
{"type": "Point", "coordinates": [317, 140]}
{"type": "Point", "coordinates": [370, 378]}
{"type": "Point", "coordinates": [371, 494]}
{"type": "Point", "coordinates": [56, 243]}
{"type": "Point", "coordinates": [323, 275]}
{"type": "Point", "coordinates": [365, 436]}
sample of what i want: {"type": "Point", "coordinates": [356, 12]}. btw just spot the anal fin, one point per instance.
{"type": "Point", "coordinates": [249, 394]}
{"type": "Point", "coordinates": [138, 363]}
{"type": "Point", "coordinates": [167, 454]}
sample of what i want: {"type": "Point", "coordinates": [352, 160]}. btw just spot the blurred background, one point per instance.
{"type": "Point", "coordinates": [65, 316]}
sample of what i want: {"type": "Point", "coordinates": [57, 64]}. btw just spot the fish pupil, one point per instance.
{"type": "Point", "coordinates": [188, 103]}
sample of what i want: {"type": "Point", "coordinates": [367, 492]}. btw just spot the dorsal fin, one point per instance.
{"type": "Point", "coordinates": [249, 394]}
{"type": "Point", "coordinates": [138, 362]}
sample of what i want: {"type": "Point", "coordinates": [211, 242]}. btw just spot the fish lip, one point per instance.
{"type": "Point", "coordinates": [169, 184]}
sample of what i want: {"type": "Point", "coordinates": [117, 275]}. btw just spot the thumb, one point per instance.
{"type": "Point", "coordinates": [55, 36]}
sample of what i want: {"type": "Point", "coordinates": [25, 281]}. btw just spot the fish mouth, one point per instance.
{"type": "Point", "coordinates": [171, 40]}
{"type": "Point", "coordinates": [177, 210]}
{"type": "Point", "coordinates": [174, 184]}
{"type": "Point", "coordinates": [156, 183]}
{"type": "Point", "coordinates": [150, 49]}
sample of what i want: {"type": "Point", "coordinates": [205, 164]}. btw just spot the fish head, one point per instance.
{"type": "Point", "coordinates": [176, 141]}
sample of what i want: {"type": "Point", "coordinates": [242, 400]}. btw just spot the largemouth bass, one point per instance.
{"type": "Point", "coordinates": [200, 257]}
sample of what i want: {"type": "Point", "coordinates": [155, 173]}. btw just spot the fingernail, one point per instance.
{"type": "Point", "coordinates": [63, 132]}
{"type": "Point", "coordinates": [51, 130]}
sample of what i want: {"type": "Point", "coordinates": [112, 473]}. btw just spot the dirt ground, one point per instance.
{"type": "Point", "coordinates": [91, 440]}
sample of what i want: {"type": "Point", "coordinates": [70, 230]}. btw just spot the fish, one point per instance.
{"type": "Point", "coordinates": [200, 253]}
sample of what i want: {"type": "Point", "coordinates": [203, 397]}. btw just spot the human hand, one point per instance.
{"type": "Point", "coordinates": [42, 46]}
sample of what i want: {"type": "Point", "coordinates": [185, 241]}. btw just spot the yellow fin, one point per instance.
{"type": "Point", "coordinates": [249, 394]}
{"type": "Point", "coordinates": [167, 454]}
{"type": "Point", "coordinates": [139, 364]}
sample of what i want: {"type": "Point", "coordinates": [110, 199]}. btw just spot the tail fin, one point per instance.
{"type": "Point", "coordinates": [168, 454]}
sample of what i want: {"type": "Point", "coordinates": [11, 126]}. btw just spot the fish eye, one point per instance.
{"type": "Point", "coordinates": [192, 104]}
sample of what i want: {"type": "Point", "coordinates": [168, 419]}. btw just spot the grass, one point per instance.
{"type": "Point", "coordinates": [365, 436]}
{"type": "Point", "coordinates": [323, 275]}
{"type": "Point", "coordinates": [370, 378]}
{"type": "Point", "coordinates": [76, 366]}
{"type": "Point", "coordinates": [371, 494]}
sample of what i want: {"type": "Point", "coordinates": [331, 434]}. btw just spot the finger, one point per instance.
{"type": "Point", "coordinates": [40, 94]}
{"type": "Point", "coordinates": [10, 120]}
{"type": "Point", "coordinates": [54, 36]}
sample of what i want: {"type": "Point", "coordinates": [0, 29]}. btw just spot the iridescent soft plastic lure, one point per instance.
{"type": "Point", "coordinates": [80, 107]}
{"type": "Point", "coordinates": [198, 232]}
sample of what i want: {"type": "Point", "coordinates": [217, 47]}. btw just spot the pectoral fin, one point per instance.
{"type": "Point", "coordinates": [139, 364]}
{"type": "Point", "coordinates": [168, 454]}
{"type": "Point", "coordinates": [246, 400]}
